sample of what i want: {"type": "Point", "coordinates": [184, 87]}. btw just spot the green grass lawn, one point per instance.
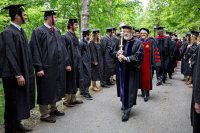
{"type": "Point", "coordinates": [1, 103]}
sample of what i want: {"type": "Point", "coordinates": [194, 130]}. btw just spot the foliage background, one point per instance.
{"type": "Point", "coordinates": [179, 16]}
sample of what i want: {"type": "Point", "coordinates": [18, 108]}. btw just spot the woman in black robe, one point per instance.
{"type": "Point", "coordinates": [188, 56]}
{"type": "Point", "coordinates": [182, 52]}
{"type": "Point", "coordinates": [96, 59]}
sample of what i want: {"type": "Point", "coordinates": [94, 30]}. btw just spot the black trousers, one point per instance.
{"type": "Point", "coordinates": [161, 73]}
{"type": "Point", "coordinates": [10, 113]}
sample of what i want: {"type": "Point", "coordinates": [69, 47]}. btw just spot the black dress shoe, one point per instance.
{"type": "Point", "coordinates": [125, 117]}
{"type": "Point", "coordinates": [146, 98]}
{"type": "Point", "coordinates": [109, 83]}
{"type": "Point", "coordinates": [126, 114]}
{"type": "Point", "coordinates": [49, 119]}
{"type": "Point", "coordinates": [105, 86]}
{"type": "Point", "coordinates": [57, 113]}
{"type": "Point", "coordinates": [159, 83]}
{"type": "Point", "coordinates": [164, 80]}
{"type": "Point", "coordinates": [88, 96]}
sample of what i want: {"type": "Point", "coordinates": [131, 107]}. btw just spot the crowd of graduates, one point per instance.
{"type": "Point", "coordinates": [60, 65]}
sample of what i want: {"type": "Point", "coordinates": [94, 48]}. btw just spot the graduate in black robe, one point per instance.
{"type": "Point", "coordinates": [191, 49]}
{"type": "Point", "coordinates": [96, 59]}
{"type": "Point", "coordinates": [50, 61]}
{"type": "Point", "coordinates": [163, 43]}
{"type": "Point", "coordinates": [74, 67]}
{"type": "Point", "coordinates": [16, 72]}
{"type": "Point", "coordinates": [85, 73]}
{"type": "Point", "coordinates": [1, 53]}
{"type": "Point", "coordinates": [174, 54]}
{"type": "Point", "coordinates": [182, 57]}
{"type": "Point", "coordinates": [130, 60]}
{"type": "Point", "coordinates": [115, 41]}
{"type": "Point", "coordinates": [195, 105]}
{"type": "Point", "coordinates": [137, 33]}
{"type": "Point", "coordinates": [108, 65]}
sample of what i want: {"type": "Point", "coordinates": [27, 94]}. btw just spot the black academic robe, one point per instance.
{"type": "Point", "coordinates": [1, 53]}
{"type": "Point", "coordinates": [129, 72]}
{"type": "Point", "coordinates": [108, 65]}
{"type": "Point", "coordinates": [163, 44]}
{"type": "Point", "coordinates": [49, 55]}
{"type": "Point", "coordinates": [174, 55]}
{"type": "Point", "coordinates": [115, 41]}
{"type": "Point", "coordinates": [85, 74]}
{"type": "Point", "coordinates": [71, 43]}
{"type": "Point", "coordinates": [183, 61]}
{"type": "Point", "coordinates": [96, 61]}
{"type": "Point", "coordinates": [188, 55]}
{"type": "Point", "coordinates": [195, 118]}
{"type": "Point", "coordinates": [17, 61]}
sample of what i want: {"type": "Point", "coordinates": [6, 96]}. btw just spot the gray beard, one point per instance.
{"type": "Point", "coordinates": [128, 37]}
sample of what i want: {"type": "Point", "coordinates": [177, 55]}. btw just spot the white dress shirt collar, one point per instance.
{"type": "Point", "coordinates": [48, 26]}
{"type": "Point", "coordinates": [16, 25]}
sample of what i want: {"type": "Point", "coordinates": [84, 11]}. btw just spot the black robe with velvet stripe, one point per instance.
{"type": "Point", "coordinates": [130, 72]}
{"type": "Point", "coordinates": [163, 43]}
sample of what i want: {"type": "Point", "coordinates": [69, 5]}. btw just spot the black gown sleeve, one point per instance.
{"type": "Point", "coordinates": [36, 51]}
{"type": "Point", "coordinates": [137, 58]}
{"type": "Point", "coordinates": [12, 48]}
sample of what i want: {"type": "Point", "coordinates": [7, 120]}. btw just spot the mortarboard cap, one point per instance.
{"type": "Point", "coordinates": [15, 9]}
{"type": "Point", "coordinates": [170, 33]}
{"type": "Point", "coordinates": [127, 27]}
{"type": "Point", "coordinates": [85, 31]}
{"type": "Point", "coordinates": [195, 33]}
{"type": "Point", "coordinates": [72, 20]}
{"type": "Point", "coordinates": [188, 34]}
{"type": "Point", "coordinates": [118, 34]}
{"type": "Point", "coordinates": [49, 12]}
{"type": "Point", "coordinates": [174, 34]}
{"type": "Point", "coordinates": [145, 29]}
{"type": "Point", "coordinates": [160, 28]}
{"type": "Point", "coordinates": [95, 31]}
{"type": "Point", "coordinates": [109, 29]}
{"type": "Point", "coordinates": [136, 30]}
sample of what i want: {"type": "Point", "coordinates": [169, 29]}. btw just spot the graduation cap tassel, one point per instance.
{"type": "Point", "coordinates": [21, 16]}
{"type": "Point", "coordinates": [52, 20]}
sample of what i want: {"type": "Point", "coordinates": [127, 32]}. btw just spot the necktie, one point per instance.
{"type": "Point", "coordinates": [52, 29]}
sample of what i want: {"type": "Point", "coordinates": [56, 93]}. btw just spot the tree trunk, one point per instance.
{"type": "Point", "coordinates": [85, 17]}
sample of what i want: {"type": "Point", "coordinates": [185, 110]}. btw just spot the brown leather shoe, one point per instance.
{"type": "Point", "coordinates": [96, 89]}
{"type": "Point", "coordinates": [77, 102]}
{"type": "Point", "coordinates": [68, 104]}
